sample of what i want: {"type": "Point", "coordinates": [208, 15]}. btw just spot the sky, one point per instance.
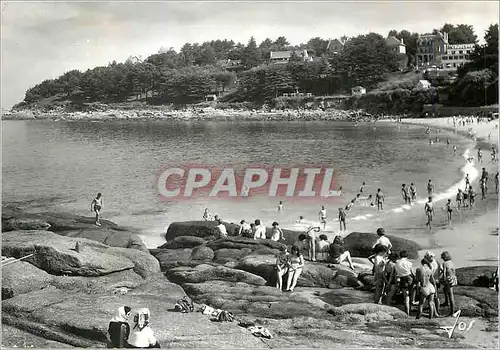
{"type": "Point", "coordinates": [42, 40]}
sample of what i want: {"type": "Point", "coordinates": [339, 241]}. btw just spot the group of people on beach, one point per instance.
{"type": "Point", "coordinates": [131, 329]}
{"type": "Point", "coordinates": [393, 274]}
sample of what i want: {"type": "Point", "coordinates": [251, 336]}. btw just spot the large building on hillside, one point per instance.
{"type": "Point", "coordinates": [282, 57]}
{"type": "Point", "coordinates": [435, 50]}
{"type": "Point", "coordinates": [334, 46]}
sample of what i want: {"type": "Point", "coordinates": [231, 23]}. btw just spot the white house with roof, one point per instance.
{"type": "Point", "coordinates": [358, 91]}
{"type": "Point", "coordinates": [396, 45]}
{"type": "Point", "coordinates": [423, 85]}
{"type": "Point", "coordinates": [281, 57]}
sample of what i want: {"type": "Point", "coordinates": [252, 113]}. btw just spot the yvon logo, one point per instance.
{"type": "Point", "coordinates": [194, 180]}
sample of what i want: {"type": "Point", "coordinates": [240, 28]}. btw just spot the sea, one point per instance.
{"type": "Point", "coordinates": [60, 166]}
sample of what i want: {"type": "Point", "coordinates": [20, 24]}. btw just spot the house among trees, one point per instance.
{"type": "Point", "coordinates": [281, 57]}
{"type": "Point", "coordinates": [358, 91]}
{"type": "Point", "coordinates": [334, 46]}
{"type": "Point", "coordinates": [423, 85]}
{"type": "Point", "coordinates": [396, 45]}
{"type": "Point", "coordinates": [434, 50]}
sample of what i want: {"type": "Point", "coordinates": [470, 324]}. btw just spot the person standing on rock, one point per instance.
{"type": "Point", "coordinates": [382, 239]}
{"type": "Point", "coordinates": [449, 280]}
{"type": "Point", "coordinates": [425, 285]}
{"type": "Point", "coordinates": [378, 271]}
{"type": "Point", "coordinates": [207, 216]}
{"type": "Point", "coordinates": [119, 329]}
{"type": "Point", "coordinates": [295, 266]}
{"type": "Point", "coordinates": [96, 207]}
{"type": "Point", "coordinates": [281, 266]}
{"type": "Point", "coordinates": [404, 278]}
{"type": "Point", "coordinates": [222, 229]}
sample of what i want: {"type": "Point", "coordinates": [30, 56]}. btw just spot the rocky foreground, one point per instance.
{"type": "Point", "coordinates": [61, 297]}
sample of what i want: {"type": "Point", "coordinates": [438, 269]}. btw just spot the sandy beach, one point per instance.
{"type": "Point", "coordinates": [473, 239]}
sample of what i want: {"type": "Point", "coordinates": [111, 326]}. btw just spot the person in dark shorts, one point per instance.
{"type": "Point", "coordinates": [119, 328]}
{"type": "Point", "coordinates": [379, 199]}
{"type": "Point", "coordinates": [96, 207]}
{"type": "Point", "coordinates": [449, 211]}
{"type": "Point", "coordinates": [405, 194]}
{"type": "Point", "coordinates": [413, 192]}
{"type": "Point", "coordinates": [405, 277]}
{"type": "Point", "coordinates": [472, 197]}
{"type": "Point", "coordinates": [496, 182]}
{"type": "Point", "coordinates": [342, 218]}
{"type": "Point", "coordinates": [448, 280]}
{"type": "Point", "coordinates": [429, 211]}
{"type": "Point", "coordinates": [430, 188]}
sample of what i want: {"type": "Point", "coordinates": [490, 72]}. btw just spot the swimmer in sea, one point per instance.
{"type": "Point", "coordinates": [467, 182]}
{"type": "Point", "coordinates": [493, 154]}
{"type": "Point", "coordinates": [405, 194]}
{"type": "Point", "coordinates": [280, 206]}
{"type": "Point", "coordinates": [454, 149]}
{"type": "Point", "coordinates": [479, 156]}
{"type": "Point", "coordinates": [429, 211]}
{"type": "Point", "coordinates": [449, 211]}
{"type": "Point", "coordinates": [413, 192]}
{"type": "Point", "coordinates": [349, 205]}
{"type": "Point", "coordinates": [322, 216]}
{"type": "Point", "coordinates": [447, 141]}
{"type": "Point", "coordinates": [362, 187]}
{"type": "Point", "coordinates": [96, 207]}
{"type": "Point", "coordinates": [379, 199]}
{"type": "Point", "coordinates": [342, 218]}
{"type": "Point", "coordinates": [430, 188]}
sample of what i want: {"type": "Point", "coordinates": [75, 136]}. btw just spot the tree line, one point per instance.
{"type": "Point", "coordinates": [222, 66]}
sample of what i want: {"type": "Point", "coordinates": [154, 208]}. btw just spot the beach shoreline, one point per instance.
{"type": "Point", "coordinates": [471, 251]}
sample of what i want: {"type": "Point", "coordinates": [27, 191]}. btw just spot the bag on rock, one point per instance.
{"type": "Point", "coordinates": [225, 316]}
{"type": "Point", "coordinates": [184, 305]}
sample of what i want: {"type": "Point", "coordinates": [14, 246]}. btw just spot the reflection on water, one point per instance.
{"type": "Point", "coordinates": [75, 160]}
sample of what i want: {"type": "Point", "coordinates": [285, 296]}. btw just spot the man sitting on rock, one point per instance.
{"type": "Point", "coordinates": [222, 229]}
{"type": "Point", "coordinates": [322, 248]}
{"type": "Point", "coordinates": [337, 253]}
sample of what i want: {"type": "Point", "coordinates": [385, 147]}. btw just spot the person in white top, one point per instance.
{"type": "Point", "coordinates": [260, 230]}
{"type": "Point", "coordinates": [222, 229]}
{"type": "Point", "coordinates": [405, 276]}
{"type": "Point", "coordinates": [277, 233]}
{"type": "Point", "coordinates": [206, 215]}
{"type": "Point", "coordinates": [383, 240]}
{"type": "Point", "coordinates": [322, 216]}
{"type": "Point", "coordinates": [141, 335]}
{"type": "Point", "coordinates": [245, 229]}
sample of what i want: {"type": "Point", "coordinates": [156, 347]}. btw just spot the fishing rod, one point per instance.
{"type": "Point", "coordinates": [15, 260]}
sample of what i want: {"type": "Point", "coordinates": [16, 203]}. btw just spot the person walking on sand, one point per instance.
{"type": "Point", "coordinates": [379, 199]}
{"type": "Point", "coordinates": [322, 216]}
{"type": "Point", "coordinates": [295, 266]}
{"type": "Point", "coordinates": [484, 188]}
{"type": "Point", "coordinates": [430, 189]}
{"type": "Point", "coordinates": [479, 155]}
{"type": "Point", "coordinates": [342, 218]}
{"type": "Point", "coordinates": [96, 207]}
{"type": "Point", "coordinates": [467, 182]}
{"type": "Point", "coordinates": [472, 197]}
{"type": "Point", "coordinates": [429, 211]}
{"type": "Point", "coordinates": [449, 280]}
{"type": "Point", "coordinates": [449, 211]}
{"type": "Point", "coordinates": [460, 199]}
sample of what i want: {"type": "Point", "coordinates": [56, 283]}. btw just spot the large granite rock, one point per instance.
{"type": "Point", "coordinates": [56, 254]}
{"type": "Point", "coordinates": [22, 277]}
{"type": "Point", "coordinates": [208, 229]}
{"type": "Point", "coordinates": [360, 244]}
{"type": "Point", "coordinates": [202, 253]}
{"type": "Point", "coordinates": [170, 258]}
{"type": "Point", "coordinates": [144, 263]}
{"type": "Point", "coordinates": [71, 225]}
{"type": "Point", "coordinates": [479, 276]}
{"type": "Point", "coordinates": [243, 242]}
{"type": "Point", "coordinates": [225, 255]}
{"type": "Point", "coordinates": [476, 301]}
{"type": "Point", "coordinates": [183, 242]}
{"type": "Point", "coordinates": [203, 273]}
